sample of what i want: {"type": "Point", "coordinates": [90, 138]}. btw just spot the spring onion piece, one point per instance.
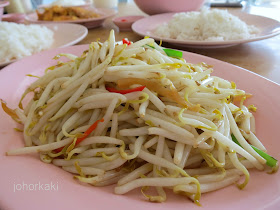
{"type": "Point", "coordinates": [150, 46]}
{"type": "Point", "coordinates": [270, 161]}
{"type": "Point", "coordinates": [171, 52]}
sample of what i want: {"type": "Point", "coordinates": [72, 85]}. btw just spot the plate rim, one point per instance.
{"type": "Point", "coordinates": [78, 26]}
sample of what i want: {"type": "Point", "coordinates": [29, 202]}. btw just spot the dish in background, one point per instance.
{"type": "Point", "coordinates": [14, 17]}
{"type": "Point", "coordinates": [64, 35]}
{"type": "Point", "coordinates": [125, 22]}
{"type": "Point", "coordinates": [153, 7]}
{"type": "Point", "coordinates": [262, 191]}
{"type": "Point", "coordinates": [2, 5]}
{"type": "Point", "coordinates": [268, 28]}
{"type": "Point", "coordinates": [89, 23]}
{"type": "Point", "coordinates": [60, 13]}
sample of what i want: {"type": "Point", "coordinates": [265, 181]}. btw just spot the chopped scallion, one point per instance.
{"type": "Point", "coordinates": [170, 52]}
{"type": "Point", "coordinates": [270, 161]}
{"type": "Point", "coordinates": [173, 53]}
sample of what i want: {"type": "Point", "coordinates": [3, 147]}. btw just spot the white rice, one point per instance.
{"type": "Point", "coordinates": [207, 25]}
{"type": "Point", "coordinates": [19, 40]}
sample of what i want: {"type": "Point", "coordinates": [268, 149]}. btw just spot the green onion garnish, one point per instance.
{"type": "Point", "coordinates": [150, 46]}
{"type": "Point", "coordinates": [170, 52]}
{"type": "Point", "coordinates": [173, 53]}
{"type": "Point", "coordinates": [270, 161]}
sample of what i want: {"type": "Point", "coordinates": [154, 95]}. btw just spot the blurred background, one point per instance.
{"type": "Point", "coordinates": [24, 6]}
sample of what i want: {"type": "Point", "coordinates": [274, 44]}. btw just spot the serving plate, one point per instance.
{"type": "Point", "coordinates": [66, 34]}
{"type": "Point", "coordinates": [262, 192]}
{"type": "Point", "coordinates": [268, 28]}
{"type": "Point", "coordinates": [89, 23]}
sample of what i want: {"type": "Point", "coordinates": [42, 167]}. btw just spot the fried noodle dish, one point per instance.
{"type": "Point", "coordinates": [139, 116]}
{"type": "Point", "coordinates": [59, 13]}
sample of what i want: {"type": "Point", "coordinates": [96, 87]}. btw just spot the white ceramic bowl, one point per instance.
{"type": "Point", "coordinates": [153, 7]}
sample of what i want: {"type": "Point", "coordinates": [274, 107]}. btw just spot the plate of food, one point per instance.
{"type": "Point", "coordinates": [122, 119]}
{"type": "Point", "coordinates": [33, 38]}
{"type": "Point", "coordinates": [89, 16]}
{"type": "Point", "coordinates": [207, 28]}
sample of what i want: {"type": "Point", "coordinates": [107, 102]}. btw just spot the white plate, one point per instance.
{"type": "Point", "coordinates": [66, 34]}
{"type": "Point", "coordinates": [262, 191]}
{"type": "Point", "coordinates": [89, 23]}
{"type": "Point", "coordinates": [268, 28]}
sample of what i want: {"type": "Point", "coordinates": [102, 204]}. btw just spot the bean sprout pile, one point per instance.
{"type": "Point", "coordinates": [133, 115]}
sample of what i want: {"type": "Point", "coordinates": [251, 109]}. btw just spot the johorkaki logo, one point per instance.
{"type": "Point", "coordinates": [52, 186]}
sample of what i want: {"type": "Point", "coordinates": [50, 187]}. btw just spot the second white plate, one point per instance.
{"type": "Point", "coordinates": [268, 28]}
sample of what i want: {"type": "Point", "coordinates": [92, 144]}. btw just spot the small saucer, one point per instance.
{"type": "Point", "coordinates": [14, 17]}
{"type": "Point", "coordinates": [124, 22]}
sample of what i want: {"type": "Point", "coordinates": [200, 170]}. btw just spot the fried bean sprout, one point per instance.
{"type": "Point", "coordinates": [131, 115]}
